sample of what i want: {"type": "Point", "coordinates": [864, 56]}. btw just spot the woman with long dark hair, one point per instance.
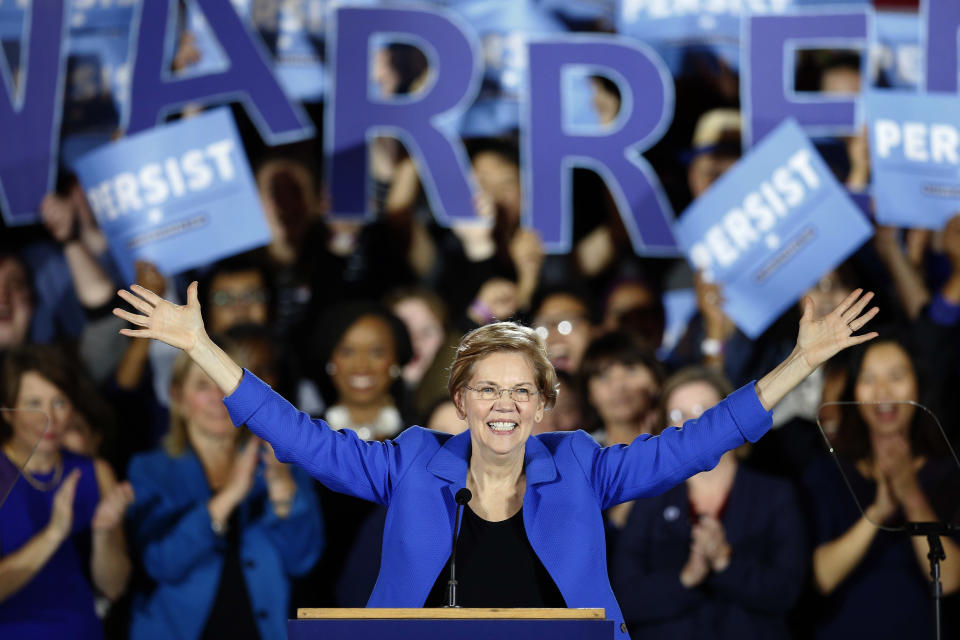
{"type": "Point", "coordinates": [874, 581]}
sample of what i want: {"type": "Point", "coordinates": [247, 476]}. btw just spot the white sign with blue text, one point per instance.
{"type": "Point", "coordinates": [771, 227]}
{"type": "Point", "coordinates": [915, 157]}
{"type": "Point", "coordinates": [180, 195]}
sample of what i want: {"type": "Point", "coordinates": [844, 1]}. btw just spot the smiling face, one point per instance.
{"type": "Point", "coordinates": [500, 426]}
{"type": "Point", "coordinates": [362, 361]}
{"type": "Point", "coordinates": [886, 381]}
{"type": "Point", "coordinates": [37, 400]}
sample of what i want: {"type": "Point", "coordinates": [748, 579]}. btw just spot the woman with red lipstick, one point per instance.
{"type": "Point", "coordinates": [63, 519]}
{"type": "Point", "coordinates": [532, 532]}
{"type": "Point", "coordinates": [875, 581]}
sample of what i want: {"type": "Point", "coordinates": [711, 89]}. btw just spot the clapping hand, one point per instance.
{"type": "Point", "coordinates": [61, 515]}
{"type": "Point", "coordinates": [112, 506]}
{"type": "Point", "coordinates": [710, 539]}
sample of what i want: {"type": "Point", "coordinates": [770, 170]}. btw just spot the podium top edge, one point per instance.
{"type": "Point", "coordinates": [451, 613]}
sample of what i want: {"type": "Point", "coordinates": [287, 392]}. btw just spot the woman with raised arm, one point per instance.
{"type": "Point", "coordinates": [532, 533]}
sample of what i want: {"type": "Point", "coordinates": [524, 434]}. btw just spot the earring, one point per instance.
{"type": "Point", "coordinates": [395, 371]}
{"type": "Point", "coordinates": [331, 368]}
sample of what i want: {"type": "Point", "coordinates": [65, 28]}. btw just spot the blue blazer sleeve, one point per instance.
{"type": "Point", "coordinates": [339, 459]}
{"type": "Point", "coordinates": [171, 541]}
{"type": "Point", "coordinates": [652, 464]}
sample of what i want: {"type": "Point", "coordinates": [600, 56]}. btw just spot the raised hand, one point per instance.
{"type": "Point", "coordinates": [180, 326]}
{"type": "Point", "coordinates": [820, 339]}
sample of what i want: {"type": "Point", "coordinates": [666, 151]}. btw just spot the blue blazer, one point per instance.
{"type": "Point", "coordinates": [173, 540]}
{"type": "Point", "coordinates": [570, 481]}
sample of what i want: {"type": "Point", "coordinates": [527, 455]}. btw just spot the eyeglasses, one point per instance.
{"type": "Point", "coordinates": [561, 326]}
{"type": "Point", "coordinates": [493, 392]}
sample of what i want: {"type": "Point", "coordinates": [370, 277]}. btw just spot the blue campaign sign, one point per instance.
{"type": "Point", "coordinates": [293, 32]}
{"type": "Point", "coordinates": [554, 144]}
{"type": "Point", "coordinates": [101, 14]}
{"type": "Point", "coordinates": [246, 76]}
{"type": "Point", "coordinates": [896, 57]}
{"type": "Point", "coordinates": [34, 52]}
{"type": "Point", "coordinates": [767, 88]}
{"type": "Point", "coordinates": [581, 10]}
{"type": "Point", "coordinates": [180, 195]}
{"type": "Point", "coordinates": [940, 42]}
{"type": "Point", "coordinates": [690, 21]}
{"type": "Point", "coordinates": [423, 121]}
{"type": "Point", "coordinates": [504, 28]}
{"type": "Point", "coordinates": [679, 306]}
{"type": "Point", "coordinates": [771, 227]}
{"type": "Point", "coordinates": [914, 157]}
{"type": "Point", "coordinates": [97, 92]}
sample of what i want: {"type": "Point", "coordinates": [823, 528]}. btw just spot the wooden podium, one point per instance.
{"type": "Point", "coordinates": [441, 623]}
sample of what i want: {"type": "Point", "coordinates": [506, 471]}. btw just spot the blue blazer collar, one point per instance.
{"type": "Point", "coordinates": [450, 462]}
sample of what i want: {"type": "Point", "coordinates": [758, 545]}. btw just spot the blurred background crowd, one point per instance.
{"type": "Point", "coordinates": [143, 512]}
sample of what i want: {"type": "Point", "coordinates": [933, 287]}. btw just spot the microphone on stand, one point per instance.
{"type": "Point", "coordinates": [463, 497]}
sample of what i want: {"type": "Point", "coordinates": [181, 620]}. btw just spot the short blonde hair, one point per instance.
{"type": "Point", "coordinates": [504, 337]}
{"type": "Point", "coordinates": [177, 441]}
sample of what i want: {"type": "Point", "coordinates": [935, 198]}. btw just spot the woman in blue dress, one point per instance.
{"type": "Point", "coordinates": [61, 526]}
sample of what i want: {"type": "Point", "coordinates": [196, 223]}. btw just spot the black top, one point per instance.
{"type": "Point", "coordinates": [496, 567]}
{"type": "Point", "coordinates": [232, 613]}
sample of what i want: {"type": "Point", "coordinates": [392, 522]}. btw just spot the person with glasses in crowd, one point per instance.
{"type": "Point", "coordinates": [533, 533]}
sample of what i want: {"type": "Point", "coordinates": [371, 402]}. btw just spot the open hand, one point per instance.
{"type": "Point", "coordinates": [821, 339]}
{"type": "Point", "coordinates": [179, 326]}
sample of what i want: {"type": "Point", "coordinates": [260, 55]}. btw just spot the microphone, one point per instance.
{"type": "Point", "coordinates": [463, 497]}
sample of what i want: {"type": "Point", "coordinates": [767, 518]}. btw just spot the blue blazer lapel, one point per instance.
{"type": "Point", "coordinates": [449, 464]}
